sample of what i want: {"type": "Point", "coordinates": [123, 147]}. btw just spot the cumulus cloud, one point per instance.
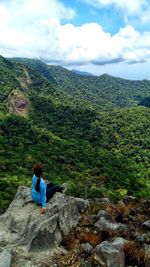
{"type": "Point", "coordinates": [89, 43]}
{"type": "Point", "coordinates": [29, 25]}
{"type": "Point", "coordinates": [130, 8]}
{"type": "Point", "coordinates": [34, 28]}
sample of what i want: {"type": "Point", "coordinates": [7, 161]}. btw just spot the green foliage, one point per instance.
{"type": "Point", "coordinates": [97, 153]}
{"type": "Point", "coordinates": [8, 186]}
{"type": "Point", "coordinates": [36, 65]}
{"type": "Point", "coordinates": [145, 102]}
{"type": "Point", "coordinates": [104, 92]}
{"type": "Point", "coordinates": [8, 81]}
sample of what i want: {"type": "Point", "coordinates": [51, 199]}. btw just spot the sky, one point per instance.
{"type": "Point", "coordinates": [97, 36]}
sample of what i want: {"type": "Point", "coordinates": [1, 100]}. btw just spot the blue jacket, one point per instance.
{"type": "Point", "coordinates": [39, 197]}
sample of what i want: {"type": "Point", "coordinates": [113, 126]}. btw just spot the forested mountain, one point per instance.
{"type": "Point", "coordinates": [98, 153]}
{"type": "Point", "coordinates": [82, 73]}
{"type": "Point", "coordinates": [36, 65]}
{"type": "Point", "coordinates": [105, 92]}
{"type": "Point", "coordinates": [145, 102]}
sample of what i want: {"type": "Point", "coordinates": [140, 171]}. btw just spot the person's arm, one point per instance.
{"type": "Point", "coordinates": [43, 192]}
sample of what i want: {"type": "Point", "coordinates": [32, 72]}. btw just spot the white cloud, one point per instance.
{"type": "Point", "coordinates": [89, 43]}
{"type": "Point", "coordinates": [28, 26]}
{"type": "Point", "coordinates": [129, 8]}
{"type": "Point", "coordinates": [31, 29]}
{"type": "Point", "coordinates": [128, 5]}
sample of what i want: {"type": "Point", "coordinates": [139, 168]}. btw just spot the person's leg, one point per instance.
{"type": "Point", "coordinates": [51, 191]}
{"type": "Point", "coordinates": [49, 186]}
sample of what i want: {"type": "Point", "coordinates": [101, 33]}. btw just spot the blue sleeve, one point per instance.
{"type": "Point", "coordinates": [43, 192]}
{"type": "Point", "coordinates": [33, 182]}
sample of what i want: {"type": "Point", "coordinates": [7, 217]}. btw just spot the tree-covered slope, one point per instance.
{"type": "Point", "coordinates": [105, 92]}
{"type": "Point", "coordinates": [145, 102]}
{"type": "Point", "coordinates": [19, 83]}
{"type": "Point", "coordinates": [98, 153]}
{"type": "Point", "coordinates": [36, 65]}
{"type": "Point", "coordinates": [8, 81]}
{"type": "Point", "coordinates": [106, 155]}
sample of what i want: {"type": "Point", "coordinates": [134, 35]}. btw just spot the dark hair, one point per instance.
{"type": "Point", "coordinates": [38, 170]}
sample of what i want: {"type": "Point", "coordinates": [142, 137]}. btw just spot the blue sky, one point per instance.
{"type": "Point", "coordinates": [109, 18]}
{"type": "Point", "coordinates": [99, 36]}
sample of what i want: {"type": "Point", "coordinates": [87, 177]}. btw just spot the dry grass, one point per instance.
{"type": "Point", "coordinates": [76, 238]}
{"type": "Point", "coordinates": [69, 260]}
{"type": "Point", "coordinates": [93, 238]}
{"type": "Point", "coordinates": [120, 208]}
{"type": "Point", "coordinates": [134, 254]}
{"type": "Point", "coordinates": [141, 218]}
{"type": "Point", "coordinates": [130, 213]}
{"type": "Point", "coordinates": [71, 243]}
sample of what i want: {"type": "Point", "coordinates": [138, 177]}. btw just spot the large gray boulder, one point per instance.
{"type": "Point", "coordinates": [23, 227]}
{"type": "Point", "coordinates": [103, 224]}
{"type": "Point", "coordinates": [110, 254]}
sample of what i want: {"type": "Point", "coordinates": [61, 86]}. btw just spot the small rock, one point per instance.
{"type": "Point", "coordinates": [104, 225]}
{"type": "Point", "coordinates": [105, 214]}
{"type": "Point", "coordinates": [132, 218]}
{"type": "Point", "coordinates": [104, 199]}
{"type": "Point", "coordinates": [146, 225]}
{"type": "Point", "coordinates": [119, 241]}
{"type": "Point", "coordinates": [86, 247]}
{"type": "Point", "coordinates": [129, 199]}
{"type": "Point", "coordinates": [144, 238]}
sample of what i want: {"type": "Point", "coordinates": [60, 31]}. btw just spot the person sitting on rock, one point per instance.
{"type": "Point", "coordinates": [42, 192]}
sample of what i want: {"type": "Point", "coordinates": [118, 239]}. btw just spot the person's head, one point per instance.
{"type": "Point", "coordinates": [38, 169]}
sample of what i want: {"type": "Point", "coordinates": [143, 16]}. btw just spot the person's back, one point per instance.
{"type": "Point", "coordinates": [38, 191]}
{"type": "Point", "coordinates": [39, 197]}
{"type": "Point", "coordinates": [41, 192]}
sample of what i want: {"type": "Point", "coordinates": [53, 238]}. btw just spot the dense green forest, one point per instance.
{"type": "Point", "coordinates": [145, 102]}
{"type": "Point", "coordinates": [97, 152]}
{"type": "Point", "coordinates": [104, 92]}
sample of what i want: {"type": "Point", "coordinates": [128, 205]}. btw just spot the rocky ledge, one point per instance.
{"type": "Point", "coordinates": [75, 232]}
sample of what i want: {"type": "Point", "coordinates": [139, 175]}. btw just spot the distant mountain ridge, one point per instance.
{"type": "Point", "coordinates": [83, 73]}
{"type": "Point", "coordinates": [105, 92]}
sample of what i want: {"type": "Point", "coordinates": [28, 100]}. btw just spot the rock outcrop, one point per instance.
{"type": "Point", "coordinates": [75, 232]}
{"type": "Point", "coordinates": [24, 229]}
{"type": "Point", "coordinates": [18, 103]}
